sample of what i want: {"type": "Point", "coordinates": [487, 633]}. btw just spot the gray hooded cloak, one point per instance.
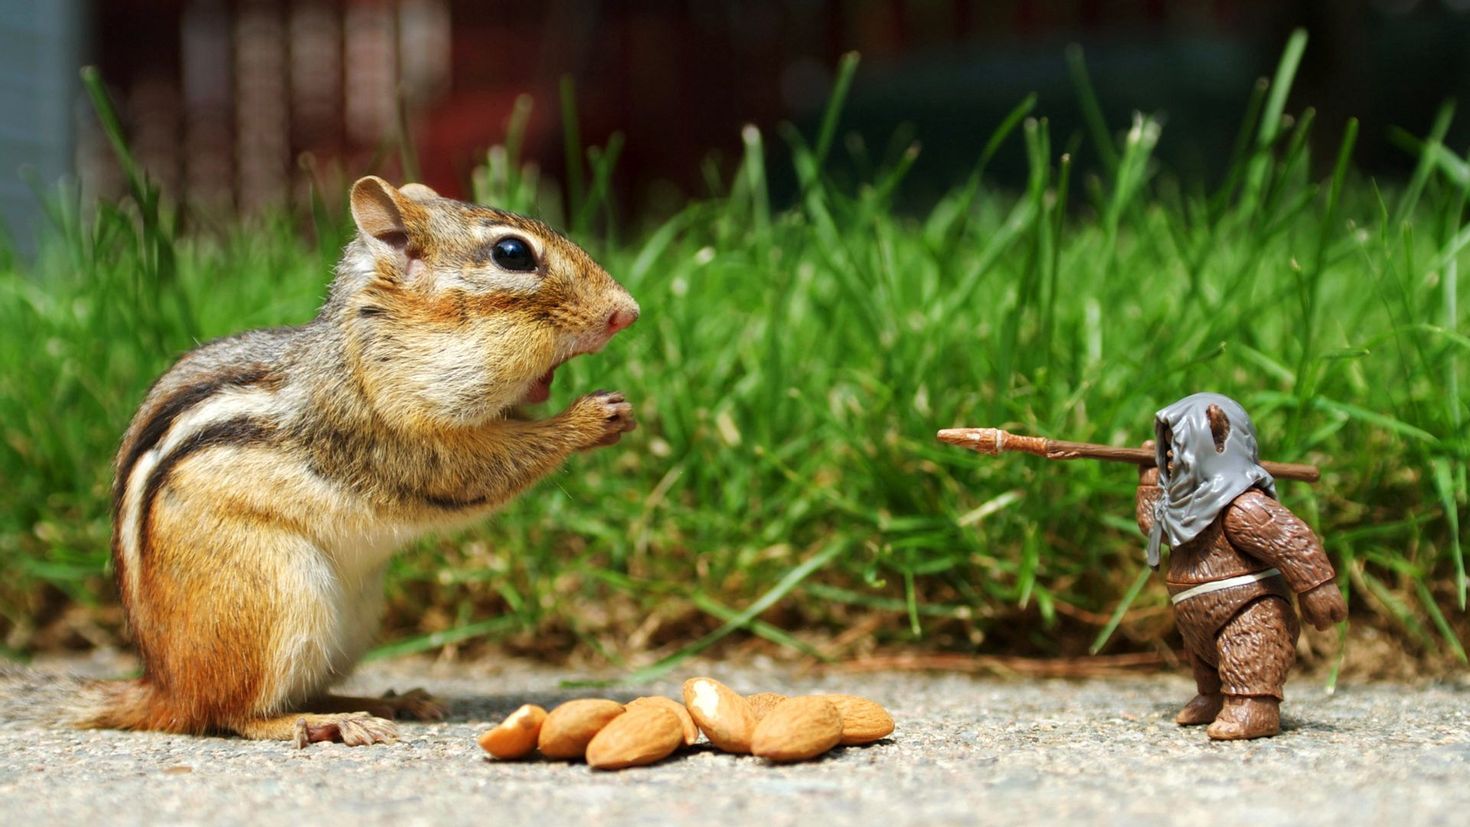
{"type": "Point", "coordinates": [1204, 481]}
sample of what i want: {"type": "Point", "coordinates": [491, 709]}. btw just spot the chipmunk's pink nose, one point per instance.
{"type": "Point", "coordinates": [620, 319]}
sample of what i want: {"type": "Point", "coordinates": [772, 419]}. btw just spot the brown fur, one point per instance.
{"type": "Point", "coordinates": [267, 477]}
{"type": "Point", "coordinates": [1241, 641]}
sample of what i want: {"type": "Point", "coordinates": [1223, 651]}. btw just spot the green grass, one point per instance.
{"type": "Point", "coordinates": [792, 366]}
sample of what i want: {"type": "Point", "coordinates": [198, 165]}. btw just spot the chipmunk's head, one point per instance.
{"type": "Point", "coordinates": [455, 312]}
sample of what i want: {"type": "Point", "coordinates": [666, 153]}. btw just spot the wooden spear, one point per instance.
{"type": "Point", "coordinates": [994, 441]}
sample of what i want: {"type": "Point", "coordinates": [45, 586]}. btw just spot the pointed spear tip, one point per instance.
{"type": "Point", "coordinates": [956, 436]}
{"type": "Point", "coordinates": [984, 440]}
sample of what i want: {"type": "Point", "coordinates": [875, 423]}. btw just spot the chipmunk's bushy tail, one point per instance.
{"type": "Point", "coordinates": [132, 704]}
{"type": "Point", "coordinates": [40, 696]}
{"type": "Point", "coordinates": [54, 698]}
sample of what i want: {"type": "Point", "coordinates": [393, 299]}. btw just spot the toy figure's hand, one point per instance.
{"type": "Point", "coordinates": [1148, 474]}
{"type": "Point", "coordinates": [1323, 605]}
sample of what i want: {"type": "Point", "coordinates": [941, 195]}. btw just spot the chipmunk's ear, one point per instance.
{"type": "Point", "coordinates": [376, 211]}
{"type": "Point", "coordinates": [418, 192]}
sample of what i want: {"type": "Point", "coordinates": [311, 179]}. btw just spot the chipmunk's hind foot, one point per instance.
{"type": "Point", "coordinates": [355, 729]}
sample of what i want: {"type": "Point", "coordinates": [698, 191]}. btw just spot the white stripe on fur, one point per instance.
{"type": "Point", "coordinates": [227, 403]}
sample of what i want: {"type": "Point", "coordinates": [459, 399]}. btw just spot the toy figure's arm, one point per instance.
{"type": "Point", "coordinates": [1264, 528]}
{"type": "Point", "coordinates": [1148, 494]}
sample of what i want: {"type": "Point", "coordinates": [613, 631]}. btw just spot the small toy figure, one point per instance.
{"type": "Point", "coordinates": [1236, 556]}
{"type": "Point", "coordinates": [1236, 553]}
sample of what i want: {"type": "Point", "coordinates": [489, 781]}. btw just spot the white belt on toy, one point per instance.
{"type": "Point", "coordinates": [1227, 583]}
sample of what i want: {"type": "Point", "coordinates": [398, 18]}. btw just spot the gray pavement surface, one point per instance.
{"type": "Point", "coordinates": [966, 751]}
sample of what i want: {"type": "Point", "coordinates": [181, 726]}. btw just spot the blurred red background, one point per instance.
{"type": "Point", "coordinates": [222, 98]}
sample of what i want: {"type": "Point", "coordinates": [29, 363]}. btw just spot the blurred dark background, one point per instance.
{"type": "Point", "coordinates": [222, 99]}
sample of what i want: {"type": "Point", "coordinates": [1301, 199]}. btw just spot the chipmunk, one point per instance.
{"type": "Point", "coordinates": [268, 477]}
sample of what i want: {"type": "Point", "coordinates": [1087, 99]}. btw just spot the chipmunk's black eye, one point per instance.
{"type": "Point", "coordinates": [513, 253]}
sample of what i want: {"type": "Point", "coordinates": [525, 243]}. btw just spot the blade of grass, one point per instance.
{"type": "Point", "coordinates": [753, 168]}
{"type": "Point", "coordinates": [846, 69]}
{"type": "Point", "coordinates": [1260, 164]}
{"type": "Point", "coordinates": [1102, 138]}
{"type": "Point", "coordinates": [1446, 632]}
{"type": "Point", "coordinates": [836, 594]}
{"type": "Point", "coordinates": [408, 154]}
{"type": "Point", "coordinates": [1444, 486]}
{"type": "Point", "coordinates": [436, 640]}
{"type": "Point", "coordinates": [572, 147]}
{"type": "Point", "coordinates": [1239, 152]}
{"type": "Point", "coordinates": [710, 606]}
{"type": "Point", "coordinates": [1106, 633]}
{"type": "Point", "coordinates": [782, 587]}
{"type": "Point", "coordinates": [1438, 129]}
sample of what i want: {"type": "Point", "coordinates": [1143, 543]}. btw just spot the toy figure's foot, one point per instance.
{"type": "Point", "coordinates": [1246, 716]}
{"type": "Point", "coordinates": [1202, 709]}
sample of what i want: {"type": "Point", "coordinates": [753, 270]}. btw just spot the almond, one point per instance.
{"type": "Point", "coordinates": [762, 703]}
{"type": "Point", "coordinates": [515, 737]}
{"type": "Point", "coordinates": [723, 715]}
{"type": "Point", "coordinates": [798, 729]}
{"type": "Point", "coordinates": [644, 734]}
{"type": "Point", "coordinates": [691, 732]}
{"type": "Point", "coordinates": [567, 730]}
{"type": "Point", "coordinates": [863, 721]}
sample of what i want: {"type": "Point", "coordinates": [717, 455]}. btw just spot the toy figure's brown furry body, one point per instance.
{"type": "Point", "coordinates": [1241, 641]}
{"type": "Point", "coordinates": [1240, 637]}
{"type": "Point", "coordinates": [268, 477]}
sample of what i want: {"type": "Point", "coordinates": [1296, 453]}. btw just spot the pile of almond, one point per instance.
{"type": "Point", "coordinates": [611, 736]}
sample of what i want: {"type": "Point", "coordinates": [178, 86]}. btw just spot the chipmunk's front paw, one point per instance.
{"type": "Point", "coordinates": [607, 416]}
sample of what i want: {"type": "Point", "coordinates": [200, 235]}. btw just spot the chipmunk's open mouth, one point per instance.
{"type": "Point", "coordinates": [540, 390]}
{"type": "Point", "coordinates": [590, 342]}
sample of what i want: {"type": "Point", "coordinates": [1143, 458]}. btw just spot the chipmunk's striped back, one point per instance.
{"type": "Point", "coordinates": [222, 394]}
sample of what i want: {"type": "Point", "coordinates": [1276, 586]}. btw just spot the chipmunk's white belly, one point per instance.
{"type": "Point", "coordinates": [360, 561]}
{"type": "Point", "coordinates": [314, 655]}
{"type": "Point", "coordinates": [333, 569]}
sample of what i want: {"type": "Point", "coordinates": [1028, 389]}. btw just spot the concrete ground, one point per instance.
{"type": "Point", "coordinates": [965, 751]}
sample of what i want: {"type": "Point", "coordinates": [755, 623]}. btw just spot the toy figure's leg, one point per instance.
{"type": "Point", "coordinates": [1257, 648]}
{"type": "Point", "coordinates": [1203, 708]}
